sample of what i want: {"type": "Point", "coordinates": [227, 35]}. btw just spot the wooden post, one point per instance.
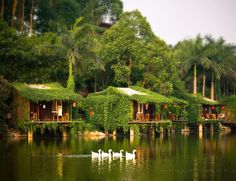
{"type": "Point", "coordinates": [211, 128]}
{"type": "Point", "coordinates": [152, 131]}
{"type": "Point", "coordinates": [161, 130]}
{"type": "Point", "coordinates": [30, 134]}
{"type": "Point", "coordinates": [172, 130]}
{"type": "Point", "coordinates": [64, 133]}
{"type": "Point", "coordinates": [200, 128]}
{"type": "Point", "coordinates": [200, 131]}
{"type": "Point", "coordinates": [131, 132]}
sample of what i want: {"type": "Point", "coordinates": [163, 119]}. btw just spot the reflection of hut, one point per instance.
{"type": "Point", "coordinates": [44, 102]}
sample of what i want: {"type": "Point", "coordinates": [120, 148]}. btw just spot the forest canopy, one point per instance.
{"type": "Point", "coordinates": [96, 45]}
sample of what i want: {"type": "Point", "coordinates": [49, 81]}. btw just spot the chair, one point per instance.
{"type": "Point", "coordinates": [54, 116]}
{"type": "Point", "coordinates": [213, 116]}
{"type": "Point", "coordinates": [207, 116]}
{"type": "Point", "coordinates": [65, 117]}
{"type": "Point", "coordinates": [221, 116]}
{"type": "Point", "coordinates": [35, 116]}
{"type": "Point", "coordinates": [158, 117]}
{"type": "Point", "coordinates": [139, 116]}
{"type": "Point", "coordinates": [147, 117]}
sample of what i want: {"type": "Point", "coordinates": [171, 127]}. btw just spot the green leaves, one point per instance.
{"type": "Point", "coordinates": [45, 92]}
{"type": "Point", "coordinates": [122, 74]}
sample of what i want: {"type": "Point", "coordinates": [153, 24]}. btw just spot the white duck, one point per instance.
{"type": "Point", "coordinates": [130, 155]}
{"type": "Point", "coordinates": [117, 154]}
{"type": "Point", "coordinates": [95, 154]}
{"type": "Point", "coordinates": [106, 154]}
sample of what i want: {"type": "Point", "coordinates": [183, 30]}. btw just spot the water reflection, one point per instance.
{"type": "Point", "coordinates": [173, 157]}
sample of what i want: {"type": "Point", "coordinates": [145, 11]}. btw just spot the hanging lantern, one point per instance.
{"type": "Point", "coordinates": [165, 106]}
{"type": "Point", "coordinates": [74, 104]}
{"type": "Point", "coordinates": [91, 113]}
{"type": "Point", "coordinates": [213, 107]}
{"type": "Point", "coordinates": [223, 107]}
{"type": "Point", "coordinates": [146, 106]}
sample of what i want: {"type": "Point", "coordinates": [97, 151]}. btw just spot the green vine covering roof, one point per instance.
{"type": "Point", "coordinates": [202, 100]}
{"type": "Point", "coordinates": [139, 94]}
{"type": "Point", "coordinates": [45, 92]}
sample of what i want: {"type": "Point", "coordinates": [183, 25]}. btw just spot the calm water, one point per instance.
{"type": "Point", "coordinates": [169, 158]}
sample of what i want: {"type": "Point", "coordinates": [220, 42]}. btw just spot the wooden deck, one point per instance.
{"type": "Point", "coordinates": [60, 122]}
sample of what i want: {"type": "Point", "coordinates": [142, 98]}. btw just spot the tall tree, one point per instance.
{"type": "Point", "coordinates": [14, 6]}
{"type": "Point", "coordinates": [2, 9]}
{"type": "Point", "coordinates": [192, 53]}
{"type": "Point", "coordinates": [22, 16]}
{"type": "Point", "coordinates": [82, 47]}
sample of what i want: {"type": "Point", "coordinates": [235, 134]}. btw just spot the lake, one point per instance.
{"type": "Point", "coordinates": [174, 157]}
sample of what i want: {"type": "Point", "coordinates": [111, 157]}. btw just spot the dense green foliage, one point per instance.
{"type": "Point", "coordinates": [53, 127]}
{"type": "Point", "coordinates": [230, 103]}
{"type": "Point", "coordinates": [5, 102]}
{"type": "Point", "coordinates": [45, 92]}
{"type": "Point", "coordinates": [42, 16]}
{"type": "Point", "coordinates": [137, 56]}
{"type": "Point", "coordinates": [30, 59]}
{"type": "Point", "coordinates": [108, 112]}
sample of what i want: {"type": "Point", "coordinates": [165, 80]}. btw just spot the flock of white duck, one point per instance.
{"type": "Point", "coordinates": [101, 154]}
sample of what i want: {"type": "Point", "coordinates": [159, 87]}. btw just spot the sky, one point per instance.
{"type": "Point", "coordinates": [175, 20]}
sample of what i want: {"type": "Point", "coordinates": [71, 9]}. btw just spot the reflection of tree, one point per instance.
{"type": "Point", "coordinates": [60, 166]}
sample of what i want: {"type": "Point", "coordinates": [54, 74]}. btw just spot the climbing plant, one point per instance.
{"type": "Point", "coordinates": [108, 112]}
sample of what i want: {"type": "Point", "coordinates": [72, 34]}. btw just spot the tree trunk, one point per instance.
{"type": "Point", "coordinates": [22, 16]}
{"type": "Point", "coordinates": [203, 83]}
{"type": "Point", "coordinates": [31, 19]}
{"type": "Point", "coordinates": [212, 87]}
{"type": "Point", "coordinates": [217, 89]}
{"type": "Point", "coordinates": [224, 89]}
{"type": "Point", "coordinates": [130, 66]}
{"type": "Point", "coordinates": [14, 12]}
{"type": "Point", "coordinates": [2, 9]}
{"type": "Point", "coordinates": [195, 79]}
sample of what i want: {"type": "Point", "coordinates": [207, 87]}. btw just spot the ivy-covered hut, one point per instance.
{"type": "Point", "coordinates": [115, 107]}
{"type": "Point", "coordinates": [212, 109]}
{"type": "Point", "coordinates": [44, 102]}
{"type": "Point", "coordinates": [201, 108]}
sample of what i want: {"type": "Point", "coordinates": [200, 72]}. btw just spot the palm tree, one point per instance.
{"type": "Point", "coordinates": [193, 53]}
{"type": "Point", "coordinates": [82, 49]}
{"type": "Point", "coordinates": [222, 57]}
